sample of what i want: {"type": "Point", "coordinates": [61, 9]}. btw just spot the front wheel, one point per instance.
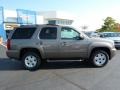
{"type": "Point", "coordinates": [99, 58]}
{"type": "Point", "coordinates": [31, 61]}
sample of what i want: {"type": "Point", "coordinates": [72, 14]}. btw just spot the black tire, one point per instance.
{"type": "Point", "coordinates": [101, 59]}
{"type": "Point", "coordinates": [35, 61]}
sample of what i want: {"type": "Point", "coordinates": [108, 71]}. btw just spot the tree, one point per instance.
{"type": "Point", "coordinates": [110, 25]}
{"type": "Point", "coordinates": [118, 27]}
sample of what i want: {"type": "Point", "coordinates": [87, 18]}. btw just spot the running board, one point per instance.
{"type": "Point", "coordinates": [63, 60]}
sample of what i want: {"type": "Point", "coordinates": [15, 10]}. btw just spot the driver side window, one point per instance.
{"type": "Point", "coordinates": [69, 33]}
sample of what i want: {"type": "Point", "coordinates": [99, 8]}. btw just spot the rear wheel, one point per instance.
{"type": "Point", "coordinates": [99, 58]}
{"type": "Point", "coordinates": [31, 61]}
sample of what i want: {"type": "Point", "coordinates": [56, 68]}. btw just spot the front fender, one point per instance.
{"type": "Point", "coordinates": [98, 45]}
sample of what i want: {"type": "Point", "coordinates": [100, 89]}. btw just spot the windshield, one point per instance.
{"type": "Point", "coordinates": [84, 34]}
{"type": "Point", "coordinates": [111, 34]}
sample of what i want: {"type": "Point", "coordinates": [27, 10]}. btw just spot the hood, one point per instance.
{"type": "Point", "coordinates": [102, 40]}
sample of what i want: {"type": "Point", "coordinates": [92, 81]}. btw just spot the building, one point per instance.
{"type": "Point", "coordinates": [46, 17]}
{"type": "Point", "coordinates": [57, 17]}
{"type": "Point", "coordinates": [15, 18]}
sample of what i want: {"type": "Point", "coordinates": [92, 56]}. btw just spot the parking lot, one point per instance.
{"type": "Point", "coordinates": [59, 75]}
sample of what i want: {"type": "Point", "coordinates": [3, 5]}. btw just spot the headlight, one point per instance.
{"type": "Point", "coordinates": [112, 42]}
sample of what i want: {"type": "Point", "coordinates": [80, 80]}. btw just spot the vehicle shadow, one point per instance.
{"type": "Point", "coordinates": [66, 65]}
{"type": "Point", "coordinates": [9, 65]}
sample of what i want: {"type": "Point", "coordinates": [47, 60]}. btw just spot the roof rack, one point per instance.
{"type": "Point", "coordinates": [53, 24]}
{"type": "Point", "coordinates": [29, 25]}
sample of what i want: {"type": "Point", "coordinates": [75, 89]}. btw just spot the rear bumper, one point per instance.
{"type": "Point", "coordinates": [113, 52]}
{"type": "Point", "coordinates": [13, 54]}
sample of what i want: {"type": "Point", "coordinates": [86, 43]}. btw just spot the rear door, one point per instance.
{"type": "Point", "coordinates": [49, 41]}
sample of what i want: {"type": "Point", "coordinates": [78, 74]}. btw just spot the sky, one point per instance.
{"type": "Point", "coordinates": [89, 13]}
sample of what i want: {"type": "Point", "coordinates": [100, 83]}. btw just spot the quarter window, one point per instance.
{"type": "Point", "coordinates": [23, 33]}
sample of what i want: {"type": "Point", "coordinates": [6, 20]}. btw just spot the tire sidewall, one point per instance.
{"type": "Point", "coordinates": [37, 58]}
{"type": "Point", "coordinates": [95, 53]}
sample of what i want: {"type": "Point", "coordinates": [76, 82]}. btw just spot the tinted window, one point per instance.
{"type": "Point", "coordinates": [48, 33]}
{"type": "Point", "coordinates": [69, 33]}
{"type": "Point", "coordinates": [23, 33]}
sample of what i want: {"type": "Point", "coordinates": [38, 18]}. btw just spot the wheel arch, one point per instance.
{"type": "Point", "coordinates": [30, 49]}
{"type": "Point", "coordinates": [106, 49]}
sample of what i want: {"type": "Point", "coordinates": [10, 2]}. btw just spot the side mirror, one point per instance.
{"type": "Point", "coordinates": [77, 38]}
{"type": "Point", "coordinates": [81, 37]}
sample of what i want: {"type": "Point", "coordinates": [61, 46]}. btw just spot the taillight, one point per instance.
{"type": "Point", "coordinates": [8, 44]}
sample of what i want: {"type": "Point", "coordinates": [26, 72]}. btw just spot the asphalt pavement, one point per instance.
{"type": "Point", "coordinates": [59, 75]}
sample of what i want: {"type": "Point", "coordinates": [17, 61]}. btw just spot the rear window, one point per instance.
{"type": "Point", "coordinates": [23, 33]}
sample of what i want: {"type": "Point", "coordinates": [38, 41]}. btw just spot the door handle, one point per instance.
{"type": "Point", "coordinates": [64, 44]}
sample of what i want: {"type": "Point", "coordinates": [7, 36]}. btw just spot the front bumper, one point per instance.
{"type": "Point", "coordinates": [113, 52]}
{"type": "Point", "coordinates": [117, 44]}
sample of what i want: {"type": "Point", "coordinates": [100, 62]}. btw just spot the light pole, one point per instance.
{"type": "Point", "coordinates": [84, 27]}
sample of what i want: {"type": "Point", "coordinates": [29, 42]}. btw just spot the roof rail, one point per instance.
{"type": "Point", "coordinates": [53, 24]}
{"type": "Point", "coordinates": [30, 25]}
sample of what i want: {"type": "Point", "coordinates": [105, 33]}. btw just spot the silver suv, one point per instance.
{"type": "Point", "coordinates": [115, 36]}
{"type": "Point", "coordinates": [34, 44]}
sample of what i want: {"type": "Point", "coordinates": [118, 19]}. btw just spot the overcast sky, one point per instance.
{"type": "Point", "coordinates": [87, 12]}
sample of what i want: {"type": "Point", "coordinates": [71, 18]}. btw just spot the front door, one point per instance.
{"type": "Point", "coordinates": [71, 46]}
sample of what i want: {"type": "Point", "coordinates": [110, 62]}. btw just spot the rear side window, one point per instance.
{"type": "Point", "coordinates": [23, 33]}
{"type": "Point", "coordinates": [48, 33]}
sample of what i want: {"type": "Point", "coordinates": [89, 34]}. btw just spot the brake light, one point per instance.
{"type": "Point", "coordinates": [8, 44]}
